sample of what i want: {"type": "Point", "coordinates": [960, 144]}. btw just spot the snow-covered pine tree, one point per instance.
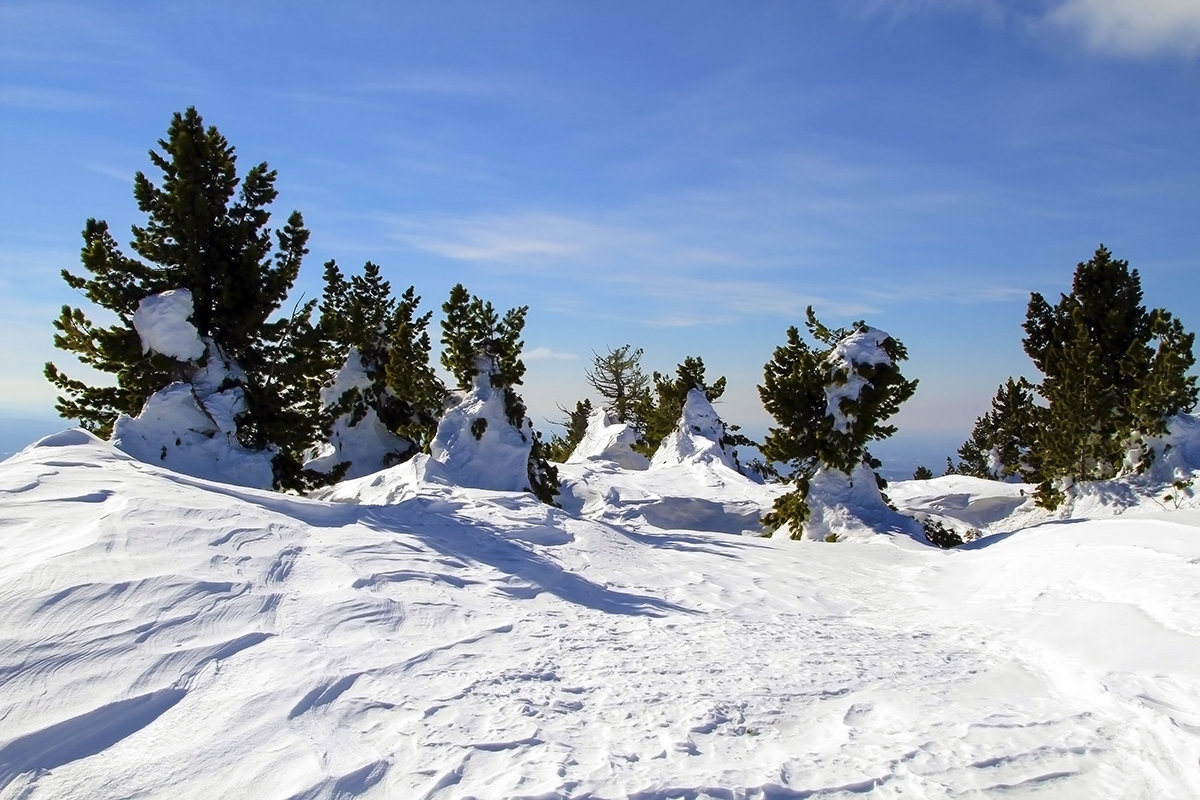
{"type": "Point", "coordinates": [1113, 373]}
{"type": "Point", "coordinates": [829, 403]}
{"type": "Point", "coordinates": [206, 232]}
{"type": "Point", "coordinates": [372, 417]}
{"type": "Point", "coordinates": [481, 347]}
{"type": "Point", "coordinates": [1003, 437]}
{"type": "Point", "coordinates": [659, 411]}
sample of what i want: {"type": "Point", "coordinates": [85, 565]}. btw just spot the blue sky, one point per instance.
{"type": "Point", "coordinates": [682, 176]}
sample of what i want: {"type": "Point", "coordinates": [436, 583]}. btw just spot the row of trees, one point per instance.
{"type": "Point", "coordinates": [1113, 374]}
{"type": "Point", "coordinates": [361, 357]}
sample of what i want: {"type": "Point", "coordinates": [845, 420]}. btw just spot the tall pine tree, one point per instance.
{"type": "Point", "coordinates": [1113, 373]}
{"type": "Point", "coordinates": [206, 231]}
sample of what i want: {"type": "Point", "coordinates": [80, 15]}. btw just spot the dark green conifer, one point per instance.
{"type": "Point", "coordinates": [1113, 373]}
{"type": "Point", "coordinates": [659, 412]}
{"type": "Point", "coordinates": [560, 448]}
{"type": "Point", "coordinates": [1003, 438]}
{"type": "Point", "coordinates": [821, 425]}
{"type": "Point", "coordinates": [206, 231]}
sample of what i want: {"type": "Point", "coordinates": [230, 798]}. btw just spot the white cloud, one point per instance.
{"type": "Point", "coordinates": [1134, 27]}
{"type": "Point", "coordinates": [546, 354]}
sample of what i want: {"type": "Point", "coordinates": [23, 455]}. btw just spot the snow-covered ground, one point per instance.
{"type": "Point", "coordinates": [165, 636]}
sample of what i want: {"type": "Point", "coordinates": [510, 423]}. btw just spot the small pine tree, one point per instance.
{"type": "Point", "coordinates": [205, 232]}
{"type": "Point", "coordinates": [560, 447]}
{"type": "Point", "coordinates": [362, 327]}
{"type": "Point", "coordinates": [1113, 373]}
{"type": "Point", "coordinates": [1003, 438]}
{"type": "Point", "coordinates": [618, 378]}
{"type": "Point", "coordinates": [922, 473]}
{"type": "Point", "coordinates": [829, 403]}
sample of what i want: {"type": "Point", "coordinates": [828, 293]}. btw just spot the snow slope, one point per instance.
{"type": "Point", "coordinates": [164, 636]}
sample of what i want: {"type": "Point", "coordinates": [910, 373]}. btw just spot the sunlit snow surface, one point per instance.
{"type": "Point", "coordinates": [162, 636]}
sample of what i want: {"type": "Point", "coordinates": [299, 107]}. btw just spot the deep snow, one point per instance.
{"type": "Point", "coordinates": [406, 637]}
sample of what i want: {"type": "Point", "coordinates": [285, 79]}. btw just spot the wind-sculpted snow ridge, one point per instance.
{"type": "Point", "coordinates": [164, 636]}
{"type": "Point", "coordinates": [606, 439]}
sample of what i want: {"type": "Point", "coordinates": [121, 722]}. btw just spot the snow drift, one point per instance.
{"type": "Point", "coordinates": [165, 636]}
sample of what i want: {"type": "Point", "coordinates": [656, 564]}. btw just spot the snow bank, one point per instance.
{"type": "Point", "coordinates": [606, 439]}
{"type": "Point", "coordinates": [161, 321]}
{"type": "Point", "coordinates": [851, 508]}
{"type": "Point", "coordinates": [697, 438]}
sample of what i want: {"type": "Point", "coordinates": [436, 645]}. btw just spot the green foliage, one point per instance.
{"type": "Point", "coordinates": [1113, 373]}
{"type": "Point", "coordinates": [922, 473]}
{"type": "Point", "coordinates": [360, 316]}
{"type": "Point", "coordinates": [560, 447]}
{"type": "Point", "coordinates": [618, 378]}
{"type": "Point", "coordinates": [472, 329]}
{"type": "Point", "coordinates": [206, 231]}
{"type": "Point", "coordinates": [829, 403]}
{"type": "Point", "coordinates": [1002, 439]}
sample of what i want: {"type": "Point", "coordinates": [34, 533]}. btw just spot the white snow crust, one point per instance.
{"type": "Point", "coordinates": [162, 323]}
{"type": "Point", "coordinates": [166, 636]}
{"type": "Point", "coordinates": [499, 457]}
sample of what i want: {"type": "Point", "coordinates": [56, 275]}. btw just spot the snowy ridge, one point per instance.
{"type": "Point", "coordinates": [165, 636]}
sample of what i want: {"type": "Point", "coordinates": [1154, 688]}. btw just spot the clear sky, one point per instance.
{"type": "Point", "coordinates": [682, 176]}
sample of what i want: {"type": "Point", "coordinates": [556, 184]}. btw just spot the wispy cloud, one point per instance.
{"type": "Point", "coordinates": [38, 98]}
{"type": "Point", "coordinates": [1134, 27]}
{"type": "Point", "coordinates": [546, 354]}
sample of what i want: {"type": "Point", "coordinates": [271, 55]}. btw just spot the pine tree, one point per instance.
{"type": "Point", "coordinates": [560, 448]}
{"type": "Point", "coordinates": [922, 473]}
{"type": "Point", "coordinates": [618, 378]}
{"type": "Point", "coordinates": [1003, 438]}
{"type": "Point", "coordinates": [829, 403]}
{"type": "Point", "coordinates": [1113, 373]}
{"type": "Point", "coordinates": [478, 343]}
{"type": "Point", "coordinates": [206, 231]}
{"type": "Point", "coordinates": [380, 351]}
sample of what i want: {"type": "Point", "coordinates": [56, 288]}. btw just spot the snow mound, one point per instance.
{"type": "Point", "coordinates": [606, 439]}
{"type": "Point", "coordinates": [697, 438]}
{"type": "Point", "coordinates": [191, 428]}
{"type": "Point", "coordinates": [161, 321]}
{"type": "Point", "coordinates": [852, 508]}
{"type": "Point", "coordinates": [476, 445]}
{"type": "Point", "coordinates": [179, 430]}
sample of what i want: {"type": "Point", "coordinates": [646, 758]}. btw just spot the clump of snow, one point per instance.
{"type": "Point", "coordinates": [863, 347]}
{"type": "Point", "coordinates": [191, 428]}
{"type": "Point", "coordinates": [606, 439]}
{"type": "Point", "coordinates": [367, 444]}
{"type": "Point", "coordinates": [161, 321]}
{"type": "Point", "coordinates": [697, 437]}
{"type": "Point", "coordinates": [475, 443]}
